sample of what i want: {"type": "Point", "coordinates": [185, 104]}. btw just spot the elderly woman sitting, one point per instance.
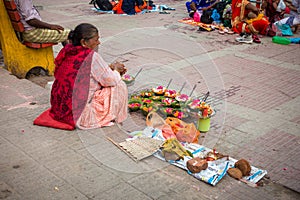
{"type": "Point", "coordinates": [87, 92]}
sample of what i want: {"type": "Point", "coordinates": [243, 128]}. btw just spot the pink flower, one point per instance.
{"type": "Point", "coordinates": [183, 97]}
{"type": "Point", "coordinates": [127, 76]}
{"type": "Point", "coordinates": [167, 101]}
{"type": "Point", "coordinates": [178, 114]}
{"type": "Point", "coordinates": [171, 92]}
{"type": "Point", "coordinates": [147, 100]}
{"type": "Point", "coordinates": [169, 110]}
{"type": "Point", "coordinates": [195, 102]}
{"type": "Point", "coordinates": [133, 105]}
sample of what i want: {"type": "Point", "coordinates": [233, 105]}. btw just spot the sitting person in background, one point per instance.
{"type": "Point", "coordinates": [200, 5]}
{"type": "Point", "coordinates": [227, 15]}
{"type": "Point", "coordinates": [294, 18]}
{"type": "Point", "coordinates": [35, 29]}
{"type": "Point", "coordinates": [274, 9]}
{"type": "Point", "coordinates": [130, 7]}
{"type": "Point", "coordinates": [246, 18]}
{"type": "Point", "coordinates": [87, 92]}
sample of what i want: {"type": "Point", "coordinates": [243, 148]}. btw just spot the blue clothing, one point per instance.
{"type": "Point", "coordinates": [216, 16]}
{"type": "Point", "coordinates": [199, 4]}
{"type": "Point", "coordinates": [295, 40]}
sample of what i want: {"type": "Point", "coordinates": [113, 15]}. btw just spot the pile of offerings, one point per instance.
{"type": "Point", "coordinates": [203, 163]}
{"type": "Point", "coordinates": [207, 164]}
{"type": "Point", "coordinates": [169, 103]}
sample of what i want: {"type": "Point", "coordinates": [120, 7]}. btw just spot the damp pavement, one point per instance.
{"type": "Point", "coordinates": [254, 88]}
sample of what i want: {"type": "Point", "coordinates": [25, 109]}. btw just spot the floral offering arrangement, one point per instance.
{"type": "Point", "coordinates": [147, 101]}
{"type": "Point", "coordinates": [170, 93]}
{"type": "Point", "coordinates": [134, 106]}
{"type": "Point", "coordinates": [146, 93]}
{"type": "Point", "coordinates": [160, 90]}
{"type": "Point", "coordinates": [194, 104]}
{"type": "Point", "coordinates": [135, 98]}
{"type": "Point", "coordinates": [174, 112]}
{"type": "Point", "coordinates": [167, 111]}
{"type": "Point", "coordinates": [148, 108]}
{"type": "Point", "coordinates": [182, 98]}
{"type": "Point", "coordinates": [156, 98]}
{"type": "Point", "coordinates": [179, 114]}
{"type": "Point", "coordinates": [203, 109]}
{"type": "Point", "coordinates": [134, 103]}
{"type": "Point", "coordinates": [169, 103]}
{"type": "Point", "coordinates": [128, 79]}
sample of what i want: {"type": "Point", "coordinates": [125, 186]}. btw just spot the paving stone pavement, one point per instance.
{"type": "Point", "coordinates": [254, 88]}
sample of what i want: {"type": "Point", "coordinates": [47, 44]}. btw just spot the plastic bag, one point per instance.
{"type": "Point", "coordinates": [154, 120]}
{"type": "Point", "coordinates": [184, 132]}
{"type": "Point", "coordinates": [173, 150]}
{"type": "Point", "coordinates": [281, 6]}
{"type": "Point", "coordinates": [175, 123]}
{"type": "Point", "coordinates": [188, 134]}
{"type": "Point", "coordinates": [285, 29]}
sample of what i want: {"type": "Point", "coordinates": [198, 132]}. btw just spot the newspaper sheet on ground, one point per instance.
{"type": "Point", "coordinates": [215, 171]}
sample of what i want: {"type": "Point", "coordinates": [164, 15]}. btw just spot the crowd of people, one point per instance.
{"type": "Point", "coordinates": [246, 18]}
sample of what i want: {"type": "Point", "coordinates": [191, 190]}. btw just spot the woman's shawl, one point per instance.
{"type": "Point", "coordinates": [71, 86]}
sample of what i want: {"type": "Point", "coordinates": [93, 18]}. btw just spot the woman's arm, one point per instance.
{"type": "Point", "coordinates": [102, 73]}
{"type": "Point", "coordinates": [211, 6]}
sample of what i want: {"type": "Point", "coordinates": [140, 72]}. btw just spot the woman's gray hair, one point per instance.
{"type": "Point", "coordinates": [84, 31]}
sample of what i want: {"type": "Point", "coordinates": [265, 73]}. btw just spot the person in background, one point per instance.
{"type": "Point", "coordinates": [247, 19]}
{"type": "Point", "coordinates": [37, 30]}
{"type": "Point", "coordinates": [201, 5]}
{"type": "Point", "coordinates": [130, 7]}
{"type": "Point", "coordinates": [294, 18]}
{"type": "Point", "coordinates": [87, 92]}
{"type": "Point", "coordinates": [273, 10]}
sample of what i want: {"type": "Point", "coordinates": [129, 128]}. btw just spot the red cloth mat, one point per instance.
{"type": "Point", "coordinates": [45, 119]}
{"type": "Point", "coordinates": [190, 21]}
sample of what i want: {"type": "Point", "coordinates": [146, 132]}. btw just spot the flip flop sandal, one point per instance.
{"type": "Point", "coordinates": [168, 8]}
{"type": "Point", "coordinates": [221, 32]}
{"type": "Point", "coordinates": [256, 39]}
{"type": "Point", "coordinates": [230, 32]}
{"type": "Point", "coordinates": [164, 12]}
{"type": "Point", "coordinates": [227, 30]}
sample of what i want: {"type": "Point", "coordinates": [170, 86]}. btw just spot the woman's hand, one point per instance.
{"type": "Point", "coordinates": [120, 67]}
